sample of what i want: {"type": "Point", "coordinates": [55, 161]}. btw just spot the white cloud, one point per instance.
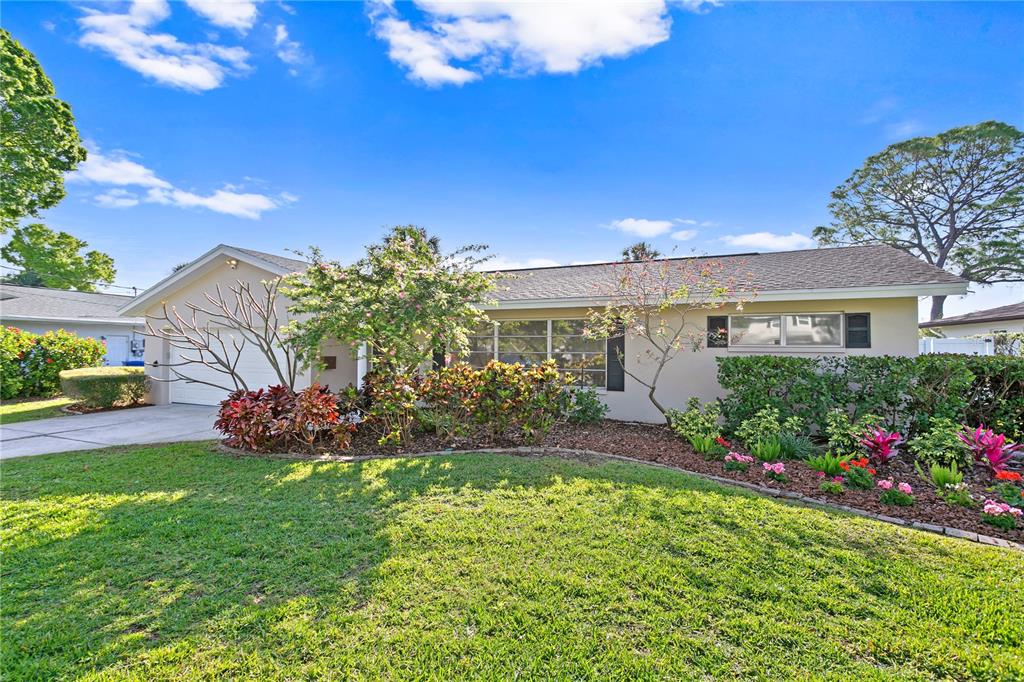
{"type": "Point", "coordinates": [237, 14]}
{"type": "Point", "coordinates": [118, 171]}
{"type": "Point", "coordinates": [502, 263]}
{"type": "Point", "coordinates": [902, 129]}
{"type": "Point", "coordinates": [115, 170]}
{"type": "Point", "coordinates": [289, 51]}
{"type": "Point", "coordinates": [686, 221]}
{"type": "Point", "coordinates": [684, 235]}
{"type": "Point", "coordinates": [226, 200]}
{"type": "Point", "coordinates": [160, 56]}
{"type": "Point", "coordinates": [117, 198]}
{"type": "Point", "coordinates": [513, 37]}
{"type": "Point", "coordinates": [642, 227]}
{"type": "Point", "coordinates": [770, 241]}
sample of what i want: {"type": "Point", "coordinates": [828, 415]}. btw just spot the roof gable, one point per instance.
{"type": "Point", "coordinates": [1014, 311]}
{"type": "Point", "coordinates": [274, 265]}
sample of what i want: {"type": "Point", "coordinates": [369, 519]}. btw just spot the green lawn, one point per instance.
{"type": "Point", "coordinates": [174, 562]}
{"type": "Point", "coordinates": [12, 412]}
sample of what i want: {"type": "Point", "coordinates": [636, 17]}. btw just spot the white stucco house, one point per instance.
{"type": "Point", "coordinates": [40, 309]}
{"type": "Point", "coordinates": [850, 300]}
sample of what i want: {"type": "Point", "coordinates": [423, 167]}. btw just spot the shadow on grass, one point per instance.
{"type": "Point", "coordinates": [170, 545]}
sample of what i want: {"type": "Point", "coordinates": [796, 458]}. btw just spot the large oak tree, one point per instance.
{"type": "Point", "coordinates": [955, 200]}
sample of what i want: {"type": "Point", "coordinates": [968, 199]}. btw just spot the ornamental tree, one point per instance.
{"type": "Point", "coordinates": [403, 299]}
{"type": "Point", "coordinates": [39, 143]}
{"type": "Point", "coordinates": [657, 302]}
{"type": "Point", "coordinates": [955, 200]}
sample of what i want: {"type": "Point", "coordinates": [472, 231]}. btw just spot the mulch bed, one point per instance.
{"type": "Point", "coordinates": [81, 408]}
{"type": "Point", "coordinates": [653, 443]}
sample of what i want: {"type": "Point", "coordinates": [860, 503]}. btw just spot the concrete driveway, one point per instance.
{"type": "Point", "coordinates": [161, 424]}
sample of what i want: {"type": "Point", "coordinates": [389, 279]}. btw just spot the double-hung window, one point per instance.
{"type": "Point", "coordinates": [804, 330]}
{"type": "Point", "coordinates": [531, 342]}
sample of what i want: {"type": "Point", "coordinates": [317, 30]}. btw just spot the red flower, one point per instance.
{"type": "Point", "coordinates": [844, 466]}
{"type": "Point", "coordinates": [872, 472]}
{"type": "Point", "coordinates": [49, 361]}
{"type": "Point", "coordinates": [1009, 476]}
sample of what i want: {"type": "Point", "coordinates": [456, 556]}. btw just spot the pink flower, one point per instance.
{"type": "Point", "coordinates": [835, 479]}
{"type": "Point", "coordinates": [994, 508]}
{"type": "Point", "coordinates": [885, 485]}
{"type": "Point", "coordinates": [820, 474]}
{"type": "Point", "coordinates": [905, 488]}
{"type": "Point", "coordinates": [778, 468]}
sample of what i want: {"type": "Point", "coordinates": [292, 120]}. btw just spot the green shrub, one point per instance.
{"type": "Point", "coordinates": [764, 424]}
{"type": "Point", "coordinates": [525, 399]}
{"type": "Point", "coordinates": [843, 435]}
{"type": "Point", "coordinates": [941, 445]}
{"type": "Point", "coordinates": [14, 344]}
{"type": "Point", "coordinates": [30, 364]}
{"type": "Point", "coordinates": [696, 424]}
{"type": "Point", "coordinates": [105, 386]}
{"type": "Point", "coordinates": [905, 392]}
{"type": "Point", "coordinates": [585, 406]}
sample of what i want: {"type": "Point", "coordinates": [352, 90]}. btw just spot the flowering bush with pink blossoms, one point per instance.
{"type": "Point", "coordinates": [776, 471]}
{"type": "Point", "coordinates": [1000, 514]}
{"type": "Point", "coordinates": [734, 461]}
{"type": "Point", "coordinates": [900, 494]}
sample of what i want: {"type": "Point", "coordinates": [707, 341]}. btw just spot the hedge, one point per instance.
{"type": "Point", "coordinates": [105, 386]}
{"type": "Point", "coordinates": [30, 364]}
{"type": "Point", "coordinates": [907, 392]}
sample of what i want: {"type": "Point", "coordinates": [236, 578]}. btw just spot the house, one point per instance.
{"type": "Point", "coordinates": [40, 309]}
{"type": "Point", "coordinates": [1006, 318]}
{"type": "Point", "coordinates": [848, 300]}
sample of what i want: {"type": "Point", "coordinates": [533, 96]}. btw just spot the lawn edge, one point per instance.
{"type": "Point", "coordinates": [782, 495]}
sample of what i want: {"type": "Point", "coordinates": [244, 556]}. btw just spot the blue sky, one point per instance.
{"type": "Point", "coordinates": [555, 135]}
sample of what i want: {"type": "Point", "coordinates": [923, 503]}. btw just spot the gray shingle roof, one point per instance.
{"type": "Point", "coordinates": [292, 264]}
{"type": "Point", "coordinates": [1014, 311]}
{"type": "Point", "coordinates": [831, 268]}
{"type": "Point", "coordinates": [18, 302]}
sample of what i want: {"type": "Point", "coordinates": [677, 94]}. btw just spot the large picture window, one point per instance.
{"type": "Point", "coordinates": [808, 330]}
{"type": "Point", "coordinates": [534, 341]}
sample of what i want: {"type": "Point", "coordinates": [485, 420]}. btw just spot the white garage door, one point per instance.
{"type": "Point", "coordinates": [253, 367]}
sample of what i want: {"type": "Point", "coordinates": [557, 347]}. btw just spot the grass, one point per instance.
{"type": "Point", "coordinates": [14, 411]}
{"type": "Point", "coordinates": [174, 562]}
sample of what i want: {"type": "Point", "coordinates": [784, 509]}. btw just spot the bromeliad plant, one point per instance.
{"type": "Point", "coordinates": [880, 445]}
{"type": "Point", "coordinates": [989, 448]}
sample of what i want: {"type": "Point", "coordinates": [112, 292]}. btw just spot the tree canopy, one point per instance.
{"type": "Point", "coordinates": [955, 200]}
{"type": "Point", "coordinates": [54, 259]}
{"type": "Point", "coordinates": [39, 142]}
{"type": "Point", "coordinates": [640, 251]}
{"type": "Point", "coordinates": [404, 299]}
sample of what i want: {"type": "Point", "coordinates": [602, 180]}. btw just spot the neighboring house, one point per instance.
{"type": "Point", "coordinates": [852, 300]}
{"type": "Point", "coordinates": [1006, 318]}
{"type": "Point", "coordinates": [40, 309]}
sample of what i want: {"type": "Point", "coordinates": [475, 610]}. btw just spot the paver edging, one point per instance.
{"type": "Point", "coordinates": [784, 495]}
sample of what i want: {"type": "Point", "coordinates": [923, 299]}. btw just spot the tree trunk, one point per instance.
{"type": "Point", "coordinates": [937, 303]}
{"type": "Point", "coordinates": [650, 394]}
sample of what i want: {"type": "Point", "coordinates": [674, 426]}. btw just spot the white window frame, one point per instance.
{"type": "Point", "coordinates": [496, 350]}
{"type": "Point", "coordinates": [783, 326]}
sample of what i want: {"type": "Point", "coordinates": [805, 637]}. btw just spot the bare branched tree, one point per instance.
{"type": "Point", "coordinates": [245, 317]}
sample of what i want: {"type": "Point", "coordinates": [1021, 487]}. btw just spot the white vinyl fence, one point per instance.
{"type": "Point", "coordinates": [965, 346]}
